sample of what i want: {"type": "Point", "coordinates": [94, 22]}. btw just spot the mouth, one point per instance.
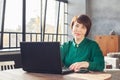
{"type": "Point", "coordinates": [77, 34]}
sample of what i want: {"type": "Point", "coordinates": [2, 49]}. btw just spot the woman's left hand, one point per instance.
{"type": "Point", "coordinates": [77, 65]}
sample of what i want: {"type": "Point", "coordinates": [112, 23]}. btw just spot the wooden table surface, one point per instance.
{"type": "Point", "coordinates": [19, 74]}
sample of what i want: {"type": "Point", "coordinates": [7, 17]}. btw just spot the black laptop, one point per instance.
{"type": "Point", "coordinates": [42, 57]}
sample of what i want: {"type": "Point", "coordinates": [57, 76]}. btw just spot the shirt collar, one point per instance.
{"type": "Point", "coordinates": [78, 45]}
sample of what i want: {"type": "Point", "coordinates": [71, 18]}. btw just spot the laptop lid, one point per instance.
{"type": "Point", "coordinates": [43, 57]}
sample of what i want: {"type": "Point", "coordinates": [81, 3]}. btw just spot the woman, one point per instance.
{"type": "Point", "coordinates": [82, 52]}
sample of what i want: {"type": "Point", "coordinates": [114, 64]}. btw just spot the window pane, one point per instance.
{"type": "Point", "coordinates": [33, 16]}
{"type": "Point", "coordinates": [1, 11]}
{"type": "Point", "coordinates": [12, 23]}
{"type": "Point", "coordinates": [13, 13]}
{"type": "Point", "coordinates": [33, 10]}
{"type": "Point", "coordinates": [51, 18]}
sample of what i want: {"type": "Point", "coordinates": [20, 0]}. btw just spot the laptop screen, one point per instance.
{"type": "Point", "coordinates": [43, 57]}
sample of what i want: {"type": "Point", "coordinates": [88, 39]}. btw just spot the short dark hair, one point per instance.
{"type": "Point", "coordinates": [82, 19]}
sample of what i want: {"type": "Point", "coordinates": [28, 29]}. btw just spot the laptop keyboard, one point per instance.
{"type": "Point", "coordinates": [66, 70]}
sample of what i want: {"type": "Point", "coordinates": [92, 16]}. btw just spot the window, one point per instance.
{"type": "Point", "coordinates": [12, 23]}
{"type": "Point", "coordinates": [38, 15]}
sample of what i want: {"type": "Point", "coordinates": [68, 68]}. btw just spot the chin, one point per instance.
{"type": "Point", "coordinates": [79, 37]}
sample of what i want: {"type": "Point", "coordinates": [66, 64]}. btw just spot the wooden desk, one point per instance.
{"type": "Point", "coordinates": [19, 74]}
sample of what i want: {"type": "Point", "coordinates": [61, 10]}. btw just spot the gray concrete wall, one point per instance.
{"type": "Point", "coordinates": [75, 8]}
{"type": "Point", "coordinates": [105, 15]}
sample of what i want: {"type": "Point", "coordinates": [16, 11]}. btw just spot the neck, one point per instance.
{"type": "Point", "coordinates": [78, 41]}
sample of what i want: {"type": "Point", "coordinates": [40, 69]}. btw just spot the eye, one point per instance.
{"type": "Point", "coordinates": [83, 27]}
{"type": "Point", "coordinates": [76, 25]}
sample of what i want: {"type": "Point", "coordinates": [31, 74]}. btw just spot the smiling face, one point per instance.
{"type": "Point", "coordinates": [79, 31]}
{"type": "Point", "coordinates": [82, 25]}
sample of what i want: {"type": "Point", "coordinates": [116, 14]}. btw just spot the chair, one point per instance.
{"type": "Point", "coordinates": [115, 55]}
{"type": "Point", "coordinates": [5, 65]}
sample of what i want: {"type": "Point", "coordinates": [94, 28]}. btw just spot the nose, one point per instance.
{"type": "Point", "coordinates": [79, 29]}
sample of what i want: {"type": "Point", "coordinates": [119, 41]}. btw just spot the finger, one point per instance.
{"type": "Point", "coordinates": [77, 67]}
{"type": "Point", "coordinates": [71, 67]}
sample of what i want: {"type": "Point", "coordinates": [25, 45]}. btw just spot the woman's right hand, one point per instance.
{"type": "Point", "coordinates": [77, 65]}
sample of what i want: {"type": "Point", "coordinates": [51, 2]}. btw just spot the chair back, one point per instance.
{"type": "Point", "coordinates": [5, 65]}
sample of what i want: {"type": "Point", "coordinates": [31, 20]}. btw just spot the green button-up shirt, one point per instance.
{"type": "Point", "coordinates": [88, 50]}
